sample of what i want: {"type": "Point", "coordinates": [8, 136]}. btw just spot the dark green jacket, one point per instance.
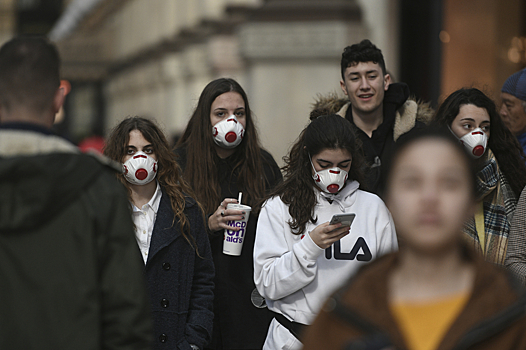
{"type": "Point", "coordinates": [70, 270]}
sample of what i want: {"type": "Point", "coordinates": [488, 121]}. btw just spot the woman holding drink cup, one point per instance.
{"type": "Point", "coordinates": [171, 235]}
{"type": "Point", "coordinates": [300, 257]}
{"type": "Point", "coordinates": [221, 157]}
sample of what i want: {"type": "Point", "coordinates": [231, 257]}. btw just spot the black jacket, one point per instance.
{"type": "Point", "coordinates": [234, 282]}
{"type": "Point", "coordinates": [379, 147]}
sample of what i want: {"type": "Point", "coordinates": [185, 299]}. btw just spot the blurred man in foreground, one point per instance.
{"type": "Point", "coordinates": [72, 276]}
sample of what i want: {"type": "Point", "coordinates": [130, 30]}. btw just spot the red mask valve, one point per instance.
{"type": "Point", "coordinates": [333, 188]}
{"type": "Point", "coordinates": [478, 151]}
{"type": "Point", "coordinates": [141, 174]}
{"type": "Point", "coordinates": [231, 137]}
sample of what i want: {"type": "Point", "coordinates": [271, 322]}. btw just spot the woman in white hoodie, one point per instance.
{"type": "Point", "coordinates": [299, 258]}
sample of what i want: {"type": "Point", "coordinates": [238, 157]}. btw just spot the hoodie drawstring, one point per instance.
{"type": "Point", "coordinates": [333, 197]}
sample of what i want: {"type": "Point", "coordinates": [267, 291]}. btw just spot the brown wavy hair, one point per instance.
{"type": "Point", "coordinates": [298, 188]}
{"type": "Point", "coordinates": [202, 159]}
{"type": "Point", "coordinates": [502, 142]}
{"type": "Point", "coordinates": [168, 174]}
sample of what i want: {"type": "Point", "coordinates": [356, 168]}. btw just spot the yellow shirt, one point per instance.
{"type": "Point", "coordinates": [479, 225]}
{"type": "Point", "coordinates": [424, 324]}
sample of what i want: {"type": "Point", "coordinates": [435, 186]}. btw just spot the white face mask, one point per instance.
{"type": "Point", "coordinates": [330, 180]}
{"type": "Point", "coordinates": [475, 142]}
{"type": "Point", "coordinates": [140, 169]}
{"type": "Point", "coordinates": [228, 133]}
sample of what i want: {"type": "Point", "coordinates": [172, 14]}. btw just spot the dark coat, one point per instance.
{"type": "Point", "coordinates": [70, 268]}
{"type": "Point", "coordinates": [180, 282]}
{"type": "Point", "coordinates": [359, 317]}
{"type": "Point", "coordinates": [234, 282]}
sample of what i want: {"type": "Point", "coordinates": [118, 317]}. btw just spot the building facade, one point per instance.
{"type": "Point", "coordinates": [153, 57]}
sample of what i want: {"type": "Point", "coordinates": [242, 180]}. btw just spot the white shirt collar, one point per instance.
{"type": "Point", "coordinates": [154, 202]}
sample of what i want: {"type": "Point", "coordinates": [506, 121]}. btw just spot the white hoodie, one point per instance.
{"type": "Point", "coordinates": [295, 276]}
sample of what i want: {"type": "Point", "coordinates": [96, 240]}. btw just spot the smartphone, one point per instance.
{"type": "Point", "coordinates": [345, 219]}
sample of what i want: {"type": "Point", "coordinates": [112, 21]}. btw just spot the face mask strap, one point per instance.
{"type": "Point", "coordinates": [458, 138]}
{"type": "Point", "coordinates": [311, 163]}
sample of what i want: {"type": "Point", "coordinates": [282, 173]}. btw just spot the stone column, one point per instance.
{"type": "Point", "coordinates": [7, 20]}
{"type": "Point", "coordinates": [292, 50]}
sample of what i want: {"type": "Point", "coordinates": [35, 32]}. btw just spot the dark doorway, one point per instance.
{"type": "Point", "coordinates": [420, 47]}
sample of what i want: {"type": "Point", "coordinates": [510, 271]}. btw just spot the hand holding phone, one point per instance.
{"type": "Point", "coordinates": [324, 235]}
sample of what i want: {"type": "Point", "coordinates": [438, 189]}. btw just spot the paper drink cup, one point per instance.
{"type": "Point", "coordinates": [233, 240]}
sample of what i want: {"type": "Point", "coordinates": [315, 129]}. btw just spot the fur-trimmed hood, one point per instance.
{"type": "Point", "coordinates": [406, 116]}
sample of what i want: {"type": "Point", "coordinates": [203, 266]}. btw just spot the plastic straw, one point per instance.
{"type": "Point", "coordinates": [239, 198]}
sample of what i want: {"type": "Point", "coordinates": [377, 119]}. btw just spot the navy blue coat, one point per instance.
{"type": "Point", "coordinates": [180, 282]}
{"type": "Point", "coordinates": [234, 281]}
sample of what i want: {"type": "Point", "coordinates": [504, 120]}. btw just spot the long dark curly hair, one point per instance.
{"type": "Point", "coordinates": [169, 173]}
{"type": "Point", "coordinates": [201, 157]}
{"type": "Point", "coordinates": [298, 188]}
{"type": "Point", "coordinates": [503, 144]}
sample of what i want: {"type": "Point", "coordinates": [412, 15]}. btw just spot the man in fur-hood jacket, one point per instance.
{"type": "Point", "coordinates": [381, 111]}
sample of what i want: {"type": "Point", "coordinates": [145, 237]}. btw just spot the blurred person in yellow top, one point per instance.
{"type": "Point", "coordinates": [436, 292]}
